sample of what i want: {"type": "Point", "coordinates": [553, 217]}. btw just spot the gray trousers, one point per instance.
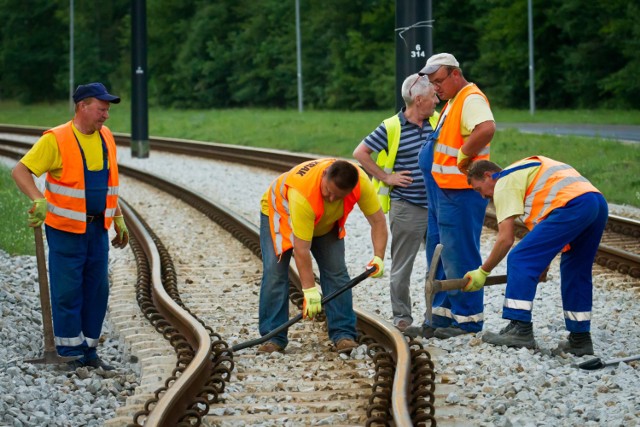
{"type": "Point", "coordinates": [408, 223]}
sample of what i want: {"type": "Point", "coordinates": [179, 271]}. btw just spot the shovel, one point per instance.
{"type": "Point", "coordinates": [597, 363]}
{"type": "Point", "coordinates": [50, 353]}
{"type": "Point", "coordinates": [296, 319]}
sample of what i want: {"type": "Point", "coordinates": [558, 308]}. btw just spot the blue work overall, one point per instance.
{"type": "Point", "coordinates": [78, 271]}
{"type": "Point", "coordinates": [579, 224]}
{"type": "Point", "coordinates": [456, 218]}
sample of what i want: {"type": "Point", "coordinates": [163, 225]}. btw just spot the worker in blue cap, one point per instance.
{"type": "Point", "coordinates": [78, 206]}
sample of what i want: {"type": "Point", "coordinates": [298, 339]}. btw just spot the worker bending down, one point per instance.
{"type": "Point", "coordinates": [564, 213]}
{"type": "Point", "coordinates": [303, 213]}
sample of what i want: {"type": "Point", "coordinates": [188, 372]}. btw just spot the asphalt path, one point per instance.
{"type": "Point", "coordinates": [626, 133]}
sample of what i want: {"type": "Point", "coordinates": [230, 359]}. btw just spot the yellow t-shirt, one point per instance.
{"type": "Point", "coordinates": [45, 156]}
{"type": "Point", "coordinates": [475, 110]}
{"type": "Point", "coordinates": [302, 215]}
{"type": "Point", "coordinates": [508, 194]}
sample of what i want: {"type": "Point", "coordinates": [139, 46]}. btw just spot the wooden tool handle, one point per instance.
{"type": "Point", "coordinates": [451, 284]}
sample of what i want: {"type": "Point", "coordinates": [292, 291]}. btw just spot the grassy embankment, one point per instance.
{"type": "Point", "coordinates": [611, 166]}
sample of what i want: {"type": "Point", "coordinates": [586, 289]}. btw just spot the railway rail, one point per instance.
{"type": "Point", "coordinates": [401, 391]}
{"type": "Point", "coordinates": [618, 251]}
{"type": "Point", "coordinates": [196, 411]}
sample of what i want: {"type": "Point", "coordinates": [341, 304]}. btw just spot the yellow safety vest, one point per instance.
{"type": "Point", "coordinates": [387, 158]}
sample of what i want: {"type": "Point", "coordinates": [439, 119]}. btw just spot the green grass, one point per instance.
{"type": "Point", "coordinates": [611, 166]}
{"type": "Point", "coordinates": [16, 238]}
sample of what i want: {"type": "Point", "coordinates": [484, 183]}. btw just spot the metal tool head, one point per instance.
{"type": "Point", "coordinates": [597, 363]}
{"type": "Point", "coordinates": [429, 286]}
{"type": "Point", "coordinates": [52, 358]}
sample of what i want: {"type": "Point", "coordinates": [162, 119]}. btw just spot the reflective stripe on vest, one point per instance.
{"type": "Point", "coordinates": [445, 154]}
{"type": "Point", "coordinates": [554, 186]}
{"type": "Point", "coordinates": [306, 178]}
{"type": "Point", "coordinates": [66, 204]}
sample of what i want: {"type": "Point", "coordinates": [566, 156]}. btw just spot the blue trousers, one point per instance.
{"type": "Point", "coordinates": [580, 224]}
{"type": "Point", "coordinates": [456, 218]}
{"type": "Point", "coordinates": [328, 251]}
{"type": "Point", "coordinates": [78, 275]}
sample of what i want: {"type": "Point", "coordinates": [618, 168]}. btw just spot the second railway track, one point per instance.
{"type": "Point", "coordinates": [260, 412]}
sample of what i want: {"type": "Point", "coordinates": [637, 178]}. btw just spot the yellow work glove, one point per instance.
{"type": "Point", "coordinates": [475, 279]}
{"type": "Point", "coordinates": [378, 264]}
{"type": "Point", "coordinates": [463, 162]}
{"type": "Point", "coordinates": [312, 303]}
{"type": "Point", "coordinates": [38, 212]}
{"type": "Point", "coordinates": [122, 233]}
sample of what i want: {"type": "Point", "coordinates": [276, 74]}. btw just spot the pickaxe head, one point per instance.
{"type": "Point", "coordinates": [51, 357]}
{"type": "Point", "coordinates": [431, 284]}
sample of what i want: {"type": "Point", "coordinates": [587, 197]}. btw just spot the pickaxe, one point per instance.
{"type": "Point", "coordinates": [432, 286]}
{"type": "Point", "coordinates": [50, 353]}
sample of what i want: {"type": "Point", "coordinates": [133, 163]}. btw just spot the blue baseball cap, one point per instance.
{"type": "Point", "coordinates": [94, 90]}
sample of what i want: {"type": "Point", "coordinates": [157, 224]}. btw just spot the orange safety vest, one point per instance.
{"type": "Point", "coordinates": [445, 156]}
{"type": "Point", "coordinates": [554, 186]}
{"type": "Point", "coordinates": [66, 204]}
{"type": "Point", "coordinates": [306, 179]}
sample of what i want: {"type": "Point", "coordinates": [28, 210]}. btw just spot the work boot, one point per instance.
{"type": "Point", "coordinates": [98, 363]}
{"type": "Point", "coordinates": [449, 332]}
{"type": "Point", "coordinates": [74, 364]}
{"type": "Point", "coordinates": [516, 334]}
{"type": "Point", "coordinates": [269, 347]}
{"type": "Point", "coordinates": [424, 331]}
{"type": "Point", "coordinates": [402, 325]}
{"type": "Point", "coordinates": [578, 344]}
{"type": "Point", "coordinates": [345, 345]}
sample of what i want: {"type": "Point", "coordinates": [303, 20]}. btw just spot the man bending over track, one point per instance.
{"type": "Point", "coordinates": [564, 213]}
{"type": "Point", "coordinates": [303, 213]}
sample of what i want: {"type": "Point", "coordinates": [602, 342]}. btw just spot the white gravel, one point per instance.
{"type": "Point", "coordinates": [504, 387]}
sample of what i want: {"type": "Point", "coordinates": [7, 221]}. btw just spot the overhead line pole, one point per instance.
{"type": "Point", "coordinates": [299, 56]}
{"type": "Point", "coordinates": [71, 88]}
{"type": "Point", "coordinates": [532, 88]}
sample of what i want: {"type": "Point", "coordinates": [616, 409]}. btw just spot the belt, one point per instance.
{"type": "Point", "coordinates": [94, 218]}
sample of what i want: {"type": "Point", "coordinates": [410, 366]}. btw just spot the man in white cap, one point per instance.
{"type": "Point", "coordinates": [456, 212]}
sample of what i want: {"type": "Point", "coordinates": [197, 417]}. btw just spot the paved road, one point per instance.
{"type": "Point", "coordinates": [620, 132]}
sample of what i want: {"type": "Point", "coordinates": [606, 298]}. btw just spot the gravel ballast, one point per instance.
{"type": "Point", "coordinates": [504, 387]}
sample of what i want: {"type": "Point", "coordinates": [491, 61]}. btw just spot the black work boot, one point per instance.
{"type": "Point", "coordinates": [578, 344]}
{"type": "Point", "coordinates": [516, 334]}
{"type": "Point", "coordinates": [424, 331]}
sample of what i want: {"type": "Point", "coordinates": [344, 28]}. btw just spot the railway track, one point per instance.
{"type": "Point", "coordinates": [244, 370]}
{"type": "Point", "coordinates": [619, 249]}
{"type": "Point", "coordinates": [376, 392]}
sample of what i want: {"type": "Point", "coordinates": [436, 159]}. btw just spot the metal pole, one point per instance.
{"type": "Point", "coordinates": [412, 41]}
{"type": "Point", "coordinates": [532, 88]}
{"type": "Point", "coordinates": [429, 30]}
{"type": "Point", "coordinates": [71, 88]}
{"type": "Point", "coordinates": [299, 56]}
{"type": "Point", "coordinates": [139, 106]}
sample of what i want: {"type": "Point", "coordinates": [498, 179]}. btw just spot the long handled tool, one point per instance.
{"type": "Point", "coordinates": [297, 318]}
{"type": "Point", "coordinates": [597, 363]}
{"type": "Point", "coordinates": [50, 353]}
{"type": "Point", "coordinates": [433, 286]}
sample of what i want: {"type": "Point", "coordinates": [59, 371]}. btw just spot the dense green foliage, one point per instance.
{"type": "Point", "coordinates": [242, 53]}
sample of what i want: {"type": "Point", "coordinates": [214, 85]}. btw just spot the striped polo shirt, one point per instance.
{"type": "Point", "coordinates": [412, 138]}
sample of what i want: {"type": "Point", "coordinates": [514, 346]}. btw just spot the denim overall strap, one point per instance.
{"type": "Point", "coordinates": [96, 182]}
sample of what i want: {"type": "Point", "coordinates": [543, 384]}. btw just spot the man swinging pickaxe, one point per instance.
{"type": "Point", "coordinates": [433, 286]}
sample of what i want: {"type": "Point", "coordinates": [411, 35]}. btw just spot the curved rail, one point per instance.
{"type": "Point", "coordinates": [388, 337]}
{"type": "Point", "coordinates": [176, 399]}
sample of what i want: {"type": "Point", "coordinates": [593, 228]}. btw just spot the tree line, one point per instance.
{"type": "Point", "coordinates": [242, 53]}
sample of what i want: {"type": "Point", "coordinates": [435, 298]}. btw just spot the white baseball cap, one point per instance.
{"type": "Point", "coordinates": [437, 61]}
